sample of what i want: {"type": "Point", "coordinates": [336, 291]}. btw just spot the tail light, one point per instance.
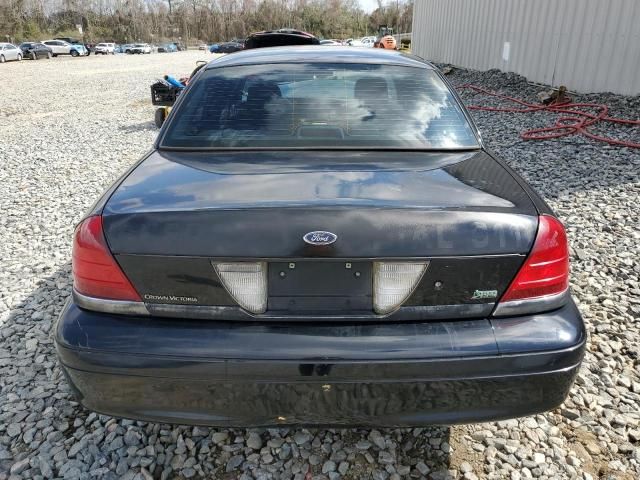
{"type": "Point", "coordinates": [393, 282]}
{"type": "Point", "coordinates": [95, 272]}
{"type": "Point", "coordinates": [544, 278]}
{"type": "Point", "coordinates": [246, 282]}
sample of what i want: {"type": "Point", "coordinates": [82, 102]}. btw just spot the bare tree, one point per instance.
{"type": "Point", "coordinates": [191, 20]}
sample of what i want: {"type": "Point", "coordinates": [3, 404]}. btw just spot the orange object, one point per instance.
{"type": "Point", "coordinates": [387, 42]}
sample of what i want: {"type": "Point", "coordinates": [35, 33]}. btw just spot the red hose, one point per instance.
{"type": "Point", "coordinates": [575, 120]}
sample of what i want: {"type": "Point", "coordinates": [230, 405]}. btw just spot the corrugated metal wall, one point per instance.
{"type": "Point", "coordinates": [587, 45]}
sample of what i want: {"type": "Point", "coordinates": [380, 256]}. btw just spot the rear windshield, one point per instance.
{"type": "Point", "coordinates": [319, 106]}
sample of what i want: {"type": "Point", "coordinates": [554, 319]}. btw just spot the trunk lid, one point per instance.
{"type": "Point", "coordinates": [462, 212]}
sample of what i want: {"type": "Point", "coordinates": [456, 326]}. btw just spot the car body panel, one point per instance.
{"type": "Point", "coordinates": [370, 190]}
{"type": "Point", "coordinates": [80, 48]}
{"type": "Point", "coordinates": [467, 217]}
{"type": "Point", "coordinates": [10, 52]}
{"type": "Point", "coordinates": [140, 48]}
{"type": "Point", "coordinates": [105, 48]}
{"type": "Point", "coordinates": [278, 38]}
{"type": "Point", "coordinates": [60, 47]}
{"type": "Point", "coordinates": [374, 374]}
{"type": "Point", "coordinates": [35, 49]}
{"type": "Point", "coordinates": [226, 47]}
{"type": "Point", "coordinates": [311, 54]}
{"type": "Point", "coordinates": [319, 353]}
{"type": "Point", "coordinates": [167, 48]}
{"type": "Point", "coordinates": [321, 289]}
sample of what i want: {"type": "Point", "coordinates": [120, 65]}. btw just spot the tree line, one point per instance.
{"type": "Point", "coordinates": [190, 21]}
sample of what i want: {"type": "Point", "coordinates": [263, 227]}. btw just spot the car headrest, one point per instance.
{"type": "Point", "coordinates": [371, 88]}
{"type": "Point", "coordinates": [262, 92]}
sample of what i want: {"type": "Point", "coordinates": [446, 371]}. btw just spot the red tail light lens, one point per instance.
{"type": "Point", "coordinates": [546, 269]}
{"type": "Point", "coordinates": [95, 272]}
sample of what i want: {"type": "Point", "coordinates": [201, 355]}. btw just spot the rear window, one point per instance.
{"type": "Point", "coordinates": [319, 106]}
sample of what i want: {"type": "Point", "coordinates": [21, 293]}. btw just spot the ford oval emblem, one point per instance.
{"type": "Point", "coordinates": [320, 238]}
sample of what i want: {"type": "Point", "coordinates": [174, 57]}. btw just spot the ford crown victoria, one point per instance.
{"type": "Point", "coordinates": [319, 236]}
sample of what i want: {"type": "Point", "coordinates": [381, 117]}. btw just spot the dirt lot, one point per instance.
{"type": "Point", "coordinates": [70, 126]}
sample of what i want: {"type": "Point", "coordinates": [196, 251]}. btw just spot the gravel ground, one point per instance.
{"type": "Point", "coordinates": [71, 126]}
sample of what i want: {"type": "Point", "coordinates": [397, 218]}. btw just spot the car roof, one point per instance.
{"type": "Point", "coordinates": [317, 54]}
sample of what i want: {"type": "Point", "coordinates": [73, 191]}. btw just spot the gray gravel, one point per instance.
{"type": "Point", "coordinates": [89, 118]}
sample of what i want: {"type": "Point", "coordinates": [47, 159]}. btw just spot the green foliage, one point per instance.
{"type": "Point", "coordinates": [31, 30]}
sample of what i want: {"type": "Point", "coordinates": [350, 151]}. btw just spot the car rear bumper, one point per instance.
{"type": "Point", "coordinates": [239, 374]}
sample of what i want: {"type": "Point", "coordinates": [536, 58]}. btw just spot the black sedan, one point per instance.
{"type": "Point", "coordinates": [35, 50]}
{"type": "Point", "coordinates": [320, 237]}
{"type": "Point", "coordinates": [226, 47]}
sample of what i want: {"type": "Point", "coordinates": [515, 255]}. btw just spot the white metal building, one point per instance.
{"type": "Point", "coordinates": [587, 45]}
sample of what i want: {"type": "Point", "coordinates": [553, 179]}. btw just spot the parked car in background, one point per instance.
{"type": "Point", "coordinates": [60, 47]}
{"type": "Point", "coordinates": [366, 253]}
{"type": "Point", "coordinates": [140, 48]}
{"type": "Point", "coordinates": [35, 50]}
{"type": "Point", "coordinates": [81, 49]}
{"type": "Point", "coordinates": [75, 41]}
{"type": "Point", "coordinates": [368, 41]}
{"type": "Point", "coordinates": [68, 40]}
{"type": "Point", "coordinates": [280, 37]}
{"type": "Point", "coordinates": [226, 47]}
{"type": "Point", "coordinates": [354, 42]}
{"type": "Point", "coordinates": [9, 52]}
{"type": "Point", "coordinates": [333, 43]}
{"type": "Point", "coordinates": [105, 48]}
{"type": "Point", "coordinates": [167, 48]}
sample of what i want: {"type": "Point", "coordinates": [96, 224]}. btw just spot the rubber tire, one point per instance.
{"type": "Point", "coordinates": [34, 56]}
{"type": "Point", "coordinates": [2, 59]}
{"type": "Point", "coordinates": [19, 57]}
{"type": "Point", "coordinates": [160, 116]}
{"type": "Point", "coordinates": [74, 53]}
{"type": "Point", "coordinates": [49, 55]}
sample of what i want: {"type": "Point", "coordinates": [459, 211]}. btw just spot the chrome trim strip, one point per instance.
{"type": "Point", "coordinates": [410, 313]}
{"type": "Point", "coordinates": [531, 305]}
{"type": "Point", "coordinates": [119, 307]}
{"type": "Point", "coordinates": [232, 313]}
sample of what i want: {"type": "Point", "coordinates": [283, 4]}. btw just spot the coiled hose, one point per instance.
{"type": "Point", "coordinates": [574, 120]}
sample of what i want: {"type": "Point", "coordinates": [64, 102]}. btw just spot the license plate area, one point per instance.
{"type": "Point", "coordinates": [320, 287]}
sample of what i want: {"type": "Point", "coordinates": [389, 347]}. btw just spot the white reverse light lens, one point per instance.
{"type": "Point", "coordinates": [246, 282]}
{"type": "Point", "coordinates": [393, 282]}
